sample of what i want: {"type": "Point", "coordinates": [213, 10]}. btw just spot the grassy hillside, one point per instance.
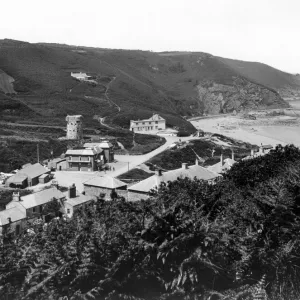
{"type": "Point", "coordinates": [138, 82]}
{"type": "Point", "coordinates": [273, 78]}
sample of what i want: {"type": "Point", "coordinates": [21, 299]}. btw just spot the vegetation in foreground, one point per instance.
{"type": "Point", "coordinates": [237, 239]}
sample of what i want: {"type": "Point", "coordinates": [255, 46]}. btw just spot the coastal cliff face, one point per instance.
{"type": "Point", "coordinates": [215, 98]}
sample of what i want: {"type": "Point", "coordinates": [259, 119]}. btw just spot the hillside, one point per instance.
{"type": "Point", "coordinates": [130, 84]}
{"type": "Point", "coordinates": [285, 83]}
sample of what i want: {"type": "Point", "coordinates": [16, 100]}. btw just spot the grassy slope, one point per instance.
{"type": "Point", "coordinates": [264, 74]}
{"type": "Point", "coordinates": [145, 82]}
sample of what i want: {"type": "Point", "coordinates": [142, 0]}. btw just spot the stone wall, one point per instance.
{"type": "Point", "coordinates": [96, 191]}
{"type": "Point", "coordinates": [136, 196]}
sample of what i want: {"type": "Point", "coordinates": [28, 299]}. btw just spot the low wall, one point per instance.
{"type": "Point", "coordinates": [96, 191]}
{"type": "Point", "coordinates": [136, 196]}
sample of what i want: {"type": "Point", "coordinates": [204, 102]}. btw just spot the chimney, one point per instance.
{"type": "Point", "coordinates": [72, 191]}
{"type": "Point", "coordinates": [221, 159]}
{"type": "Point", "coordinates": [261, 149]}
{"type": "Point", "coordinates": [158, 172]}
{"type": "Point", "coordinates": [252, 152]}
{"type": "Point", "coordinates": [196, 162]}
{"type": "Point", "coordinates": [232, 154]}
{"type": "Point", "coordinates": [9, 220]}
{"type": "Point", "coordinates": [16, 196]}
{"type": "Point", "coordinates": [184, 166]}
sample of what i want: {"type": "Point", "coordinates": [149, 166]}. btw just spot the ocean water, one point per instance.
{"type": "Point", "coordinates": [294, 103]}
{"type": "Point", "coordinates": [285, 134]}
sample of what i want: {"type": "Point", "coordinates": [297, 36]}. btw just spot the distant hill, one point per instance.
{"type": "Point", "coordinates": [133, 84]}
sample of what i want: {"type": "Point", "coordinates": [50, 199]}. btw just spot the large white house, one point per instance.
{"type": "Point", "coordinates": [155, 123]}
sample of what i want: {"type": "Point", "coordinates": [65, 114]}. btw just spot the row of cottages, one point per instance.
{"type": "Point", "coordinates": [29, 175]}
{"type": "Point", "coordinates": [262, 150]}
{"type": "Point", "coordinates": [25, 208]}
{"type": "Point", "coordinates": [89, 158]}
{"type": "Point", "coordinates": [155, 123]}
{"type": "Point", "coordinates": [223, 165]}
{"type": "Point", "coordinates": [143, 189]}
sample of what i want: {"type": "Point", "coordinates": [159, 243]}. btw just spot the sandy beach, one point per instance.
{"type": "Point", "coordinates": [265, 129]}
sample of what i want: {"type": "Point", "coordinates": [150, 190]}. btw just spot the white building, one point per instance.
{"type": "Point", "coordinates": [81, 76]}
{"type": "Point", "coordinates": [155, 123]}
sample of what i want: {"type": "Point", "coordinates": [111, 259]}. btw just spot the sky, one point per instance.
{"type": "Point", "coordinates": [266, 31]}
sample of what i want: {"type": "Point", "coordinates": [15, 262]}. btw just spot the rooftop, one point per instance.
{"type": "Point", "coordinates": [105, 181]}
{"type": "Point", "coordinates": [190, 172]}
{"type": "Point", "coordinates": [155, 117]}
{"type": "Point", "coordinates": [39, 198]}
{"type": "Point", "coordinates": [86, 151]}
{"type": "Point", "coordinates": [102, 144]}
{"type": "Point", "coordinates": [78, 200]}
{"type": "Point", "coordinates": [14, 214]}
{"type": "Point", "coordinates": [33, 171]}
{"type": "Point", "coordinates": [17, 178]}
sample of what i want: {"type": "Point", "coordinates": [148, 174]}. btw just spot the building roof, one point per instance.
{"type": "Point", "coordinates": [17, 178]}
{"type": "Point", "coordinates": [56, 160]}
{"type": "Point", "coordinates": [33, 171]}
{"type": "Point", "coordinates": [267, 146]}
{"type": "Point", "coordinates": [155, 117]}
{"type": "Point", "coordinates": [190, 172]}
{"type": "Point", "coordinates": [105, 181]}
{"type": "Point", "coordinates": [14, 213]}
{"type": "Point", "coordinates": [39, 198]}
{"type": "Point", "coordinates": [101, 145]}
{"type": "Point", "coordinates": [78, 200]}
{"type": "Point", "coordinates": [85, 151]}
{"type": "Point", "coordinates": [219, 168]}
{"type": "Point", "coordinates": [44, 175]}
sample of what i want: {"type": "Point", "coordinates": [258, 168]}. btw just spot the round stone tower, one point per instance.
{"type": "Point", "coordinates": [74, 127]}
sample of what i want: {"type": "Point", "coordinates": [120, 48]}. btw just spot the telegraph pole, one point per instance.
{"type": "Point", "coordinates": [38, 153]}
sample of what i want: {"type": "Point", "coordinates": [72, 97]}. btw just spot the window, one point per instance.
{"type": "Point", "coordinates": [156, 122]}
{"type": "Point", "coordinates": [149, 122]}
{"type": "Point", "coordinates": [143, 123]}
{"type": "Point", "coordinates": [33, 209]}
{"type": "Point", "coordinates": [79, 157]}
{"type": "Point", "coordinates": [68, 211]}
{"type": "Point", "coordinates": [70, 157]}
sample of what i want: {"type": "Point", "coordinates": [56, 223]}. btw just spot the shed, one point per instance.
{"type": "Point", "coordinates": [33, 172]}
{"type": "Point", "coordinates": [44, 178]}
{"type": "Point", "coordinates": [18, 180]}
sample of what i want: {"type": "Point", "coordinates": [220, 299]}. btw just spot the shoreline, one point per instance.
{"type": "Point", "coordinates": [264, 130]}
